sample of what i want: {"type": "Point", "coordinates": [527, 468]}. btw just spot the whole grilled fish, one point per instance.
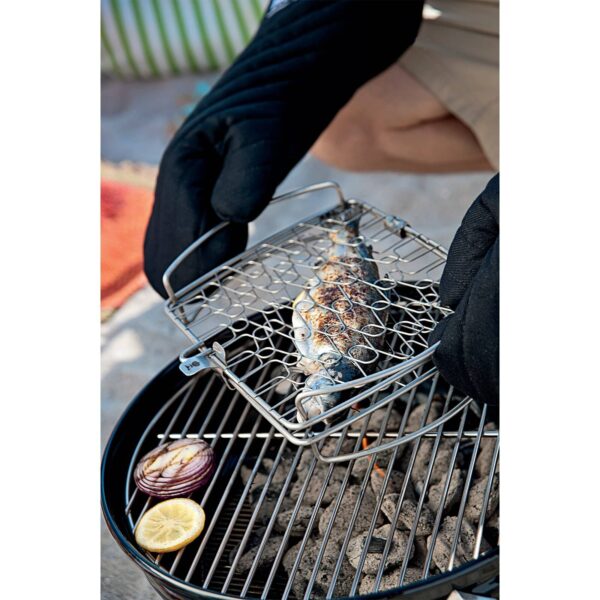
{"type": "Point", "coordinates": [332, 319]}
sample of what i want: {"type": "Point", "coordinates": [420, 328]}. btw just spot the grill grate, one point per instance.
{"type": "Point", "coordinates": [269, 496]}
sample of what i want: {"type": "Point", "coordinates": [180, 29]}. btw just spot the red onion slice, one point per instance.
{"type": "Point", "coordinates": [175, 469]}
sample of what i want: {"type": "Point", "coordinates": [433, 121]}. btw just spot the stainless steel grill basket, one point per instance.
{"type": "Point", "coordinates": [248, 302]}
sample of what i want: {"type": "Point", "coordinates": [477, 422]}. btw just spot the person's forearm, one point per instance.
{"type": "Point", "coordinates": [224, 163]}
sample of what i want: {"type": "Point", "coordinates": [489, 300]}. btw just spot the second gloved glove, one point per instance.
{"type": "Point", "coordinates": [468, 354]}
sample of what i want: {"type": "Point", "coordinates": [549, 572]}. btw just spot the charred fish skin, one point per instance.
{"type": "Point", "coordinates": [333, 319]}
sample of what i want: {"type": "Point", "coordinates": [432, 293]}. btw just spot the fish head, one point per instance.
{"type": "Point", "coordinates": [318, 404]}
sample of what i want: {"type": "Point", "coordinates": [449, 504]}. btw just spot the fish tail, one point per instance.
{"type": "Point", "coordinates": [351, 217]}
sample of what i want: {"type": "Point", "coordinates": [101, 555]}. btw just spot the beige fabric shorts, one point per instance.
{"type": "Point", "coordinates": [455, 56]}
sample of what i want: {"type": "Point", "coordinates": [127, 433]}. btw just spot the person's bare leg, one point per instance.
{"type": "Point", "coordinates": [394, 123]}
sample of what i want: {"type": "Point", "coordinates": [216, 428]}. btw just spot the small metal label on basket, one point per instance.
{"type": "Point", "coordinates": [396, 225]}
{"type": "Point", "coordinates": [194, 365]}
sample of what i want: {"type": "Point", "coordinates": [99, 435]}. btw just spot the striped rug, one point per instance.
{"type": "Point", "coordinates": [159, 38]}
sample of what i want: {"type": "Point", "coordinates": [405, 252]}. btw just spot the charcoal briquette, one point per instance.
{"type": "Point", "coordinates": [475, 498]}
{"type": "Point", "coordinates": [389, 580]}
{"type": "Point", "coordinates": [444, 540]}
{"type": "Point", "coordinates": [408, 513]}
{"type": "Point", "coordinates": [454, 492]}
{"type": "Point", "coordinates": [374, 555]}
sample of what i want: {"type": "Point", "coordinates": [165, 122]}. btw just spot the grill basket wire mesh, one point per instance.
{"type": "Point", "coordinates": [268, 496]}
{"type": "Point", "coordinates": [248, 302]}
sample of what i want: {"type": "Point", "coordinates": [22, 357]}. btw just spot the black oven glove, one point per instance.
{"type": "Point", "coordinates": [468, 354]}
{"type": "Point", "coordinates": [304, 63]}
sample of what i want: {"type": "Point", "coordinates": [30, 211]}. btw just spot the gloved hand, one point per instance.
{"type": "Point", "coordinates": [305, 62]}
{"type": "Point", "coordinates": [468, 354]}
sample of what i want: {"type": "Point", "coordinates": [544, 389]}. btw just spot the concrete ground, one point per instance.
{"type": "Point", "coordinates": [139, 339]}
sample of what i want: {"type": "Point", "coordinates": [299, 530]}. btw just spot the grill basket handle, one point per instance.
{"type": "Point", "coordinates": [173, 295]}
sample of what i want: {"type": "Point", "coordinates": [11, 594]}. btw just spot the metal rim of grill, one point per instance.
{"type": "Point", "coordinates": [241, 511]}
{"type": "Point", "coordinates": [264, 281]}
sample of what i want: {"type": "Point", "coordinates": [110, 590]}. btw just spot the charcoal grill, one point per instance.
{"type": "Point", "coordinates": [290, 505]}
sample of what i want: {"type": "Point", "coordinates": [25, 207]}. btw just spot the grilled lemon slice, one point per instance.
{"type": "Point", "coordinates": [170, 525]}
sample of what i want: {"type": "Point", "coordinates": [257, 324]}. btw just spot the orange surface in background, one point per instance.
{"type": "Point", "coordinates": [125, 210]}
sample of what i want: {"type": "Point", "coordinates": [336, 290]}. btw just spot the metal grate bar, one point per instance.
{"type": "Point", "coordinates": [167, 404]}
{"type": "Point", "coordinates": [224, 496]}
{"type": "Point", "coordinates": [225, 493]}
{"type": "Point", "coordinates": [394, 520]}
{"type": "Point", "coordinates": [238, 508]}
{"type": "Point", "coordinates": [465, 495]}
{"type": "Point", "coordinates": [413, 531]}
{"type": "Point", "coordinates": [271, 523]}
{"type": "Point", "coordinates": [254, 516]}
{"type": "Point", "coordinates": [329, 528]}
{"type": "Point", "coordinates": [245, 492]}
{"type": "Point", "coordinates": [217, 436]}
{"type": "Point", "coordinates": [187, 389]}
{"type": "Point", "coordinates": [486, 499]}
{"type": "Point", "coordinates": [313, 516]}
{"type": "Point", "coordinates": [335, 434]}
{"type": "Point", "coordinates": [287, 535]}
{"type": "Point", "coordinates": [444, 495]}
{"type": "Point", "coordinates": [384, 485]}
{"type": "Point", "coordinates": [371, 465]}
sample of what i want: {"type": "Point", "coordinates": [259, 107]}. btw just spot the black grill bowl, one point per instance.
{"type": "Point", "coordinates": [477, 576]}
